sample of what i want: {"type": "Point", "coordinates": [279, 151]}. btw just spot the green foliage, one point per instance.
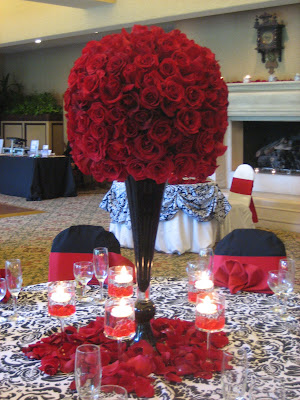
{"type": "Point", "coordinates": [14, 101]}
{"type": "Point", "coordinates": [10, 93]}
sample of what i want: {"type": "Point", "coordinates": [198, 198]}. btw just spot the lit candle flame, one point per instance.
{"type": "Point", "coordinates": [207, 306]}
{"type": "Point", "coordinates": [124, 276]}
{"type": "Point", "coordinates": [60, 296]}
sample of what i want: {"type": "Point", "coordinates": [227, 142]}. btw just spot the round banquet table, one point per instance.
{"type": "Point", "coordinates": [273, 346]}
{"type": "Point", "coordinates": [191, 216]}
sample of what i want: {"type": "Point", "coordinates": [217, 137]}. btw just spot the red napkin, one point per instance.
{"type": "Point", "coordinates": [249, 274]}
{"type": "Point", "coordinates": [7, 296]}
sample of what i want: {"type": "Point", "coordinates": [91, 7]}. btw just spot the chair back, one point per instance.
{"type": "Point", "coordinates": [241, 188]}
{"type": "Point", "coordinates": [243, 258]}
{"type": "Point", "coordinates": [77, 243]}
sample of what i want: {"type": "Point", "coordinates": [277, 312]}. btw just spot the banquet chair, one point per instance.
{"type": "Point", "coordinates": [242, 214]}
{"type": "Point", "coordinates": [244, 257]}
{"type": "Point", "coordinates": [76, 243]}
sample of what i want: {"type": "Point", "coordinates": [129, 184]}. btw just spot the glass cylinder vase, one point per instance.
{"type": "Point", "coordinates": [144, 199]}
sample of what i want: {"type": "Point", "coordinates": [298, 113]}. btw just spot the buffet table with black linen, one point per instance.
{"type": "Point", "coordinates": [272, 346]}
{"type": "Point", "coordinates": [37, 178]}
{"type": "Point", "coordinates": [190, 216]}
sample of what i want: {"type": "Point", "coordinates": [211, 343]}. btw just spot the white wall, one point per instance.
{"type": "Point", "coordinates": [231, 37]}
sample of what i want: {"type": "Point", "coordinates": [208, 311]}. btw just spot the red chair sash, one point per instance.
{"type": "Point", "coordinates": [61, 265]}
{"type": "Point", "coordinates": [244, 186]}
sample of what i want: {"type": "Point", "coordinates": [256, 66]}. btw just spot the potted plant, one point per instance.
{"type": "Point", "coordinates": [17, 106]}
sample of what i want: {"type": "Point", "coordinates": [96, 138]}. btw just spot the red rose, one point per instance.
{"type": "Point", "coordinates": [159, 170]}
{"type": "Point", "coordinates": [97, 112]}
{"type": "Point", "coordinates": [96, 62]}
{"type": "Point", "coordinates": [92, 148]}
{"type": "Point", "coordinates": [136, 168]}
{"type": "Point", "coordinates": [146, 61]}
{"type": "Point", "coordinates": [172, 90]}
{"type": "Point", "coordinates": [160, 131]}
{"type": "Point", "coordinates": [150, 97]}
{"type": "Point", "coordinates": [194, 96]}
{"type": "Point", "coordinates": [188, 120]}
{"type": "Point", "coordinates": [111, 90]}
{"type": "Point", "coordinates": [50, 365]}
{"type": "Point", "coordinates": [115, 64]}
{"type": "Point", "coordinates": [145, 149]}
{"type": "Point", "coordinates": [168, 67]}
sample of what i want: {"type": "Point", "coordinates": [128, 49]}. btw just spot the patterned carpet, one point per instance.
{"type": "Point", "coordinates": [29, 237]}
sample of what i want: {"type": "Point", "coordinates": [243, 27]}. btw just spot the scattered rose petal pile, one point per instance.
{"type": "Point", "coordinates": [180, 350]}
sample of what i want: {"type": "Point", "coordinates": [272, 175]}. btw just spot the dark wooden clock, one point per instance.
{"type": "Point", "coordinates": [269, 38]}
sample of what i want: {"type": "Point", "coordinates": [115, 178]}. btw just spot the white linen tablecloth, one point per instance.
{"type": "Point", "coordinates": [272, 346]}
{"type": "Point", "coordinates": [190, 216]}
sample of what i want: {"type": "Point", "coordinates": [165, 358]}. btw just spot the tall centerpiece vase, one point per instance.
{"type": "Point", "coordinates": [144, 198]}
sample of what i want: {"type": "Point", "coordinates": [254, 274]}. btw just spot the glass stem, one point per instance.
{"type": "Point", "coordinates": [83, 290]}
{"type": "Point", "coordinates": [284, 305]}
{"type": "Point", "coordinates": [62, 327]}
{"type": "Point", "coordinates": [119, 348]}
{"type": "Point", "coordinates": [101, 289]}
{"type": "Point", "coordinates": [208, 341]}
{"type": "Point", "coordinates": [15, 299]}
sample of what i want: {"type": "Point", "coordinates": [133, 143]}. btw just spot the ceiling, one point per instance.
{"type": "Point", "coordinates": [74, 3]}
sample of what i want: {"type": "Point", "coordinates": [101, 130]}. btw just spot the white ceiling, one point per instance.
{"type": "Point", "coordinates": [74, 3]}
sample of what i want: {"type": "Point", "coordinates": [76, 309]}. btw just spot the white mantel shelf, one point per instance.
{"type": "Point", "coordinates": [257, 101]}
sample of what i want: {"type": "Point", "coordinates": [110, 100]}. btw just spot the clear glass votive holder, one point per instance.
{"type": "Point", "coordinates": [113, 392]}
{"type": "Point", "coordinates": [120, 281]}
{"type": "Point", "coordinates": [210, 312]}
{"type": "Point", "coordinates": [61, 298]}
{"type": "Point", "coordinates": [119, 318]}
{"type": "Point", "coordinates": [199, 281]}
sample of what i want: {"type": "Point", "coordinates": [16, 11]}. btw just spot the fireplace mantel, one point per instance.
{"type": "Point", "coordinates": [264, 101]}
{"type": "Point", "coordinates": [258, 101]}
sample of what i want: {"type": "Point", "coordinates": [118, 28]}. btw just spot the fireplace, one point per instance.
{"type": "Point", "coordinates": [256, 104]}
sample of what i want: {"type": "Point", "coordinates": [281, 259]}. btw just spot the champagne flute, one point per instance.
{"type": "Point", "coordinates": [88, 371]}
{"type": "Point", "coordinates": [206, 258]}
{"type": "Point", "coordinates": [2, 294]}
{"type": "Point", "coordinates": [83, 273]}
{"type": "Point", "coordinates": [101, 262]}
{"type": "Point", "coordinates": [14, 280]}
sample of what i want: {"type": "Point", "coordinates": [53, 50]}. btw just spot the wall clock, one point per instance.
{"type": "Point", "coordinates": [269, 39]}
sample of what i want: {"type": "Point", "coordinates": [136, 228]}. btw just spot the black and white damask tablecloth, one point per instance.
{"type": "Point", "coordinates": [273, 346]}
{"type": "Point", "coordinates": [189, 218]}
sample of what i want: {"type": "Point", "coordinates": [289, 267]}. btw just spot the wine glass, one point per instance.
{"type": "Point", "coordinates": [88, 371]}
{"type": "Point", "coordinates": [14, 280]}
{"type": "Point", "coordinates": [61, 300]}
{"type": "Point", "coordinates": [210, 314]}
{"type": "Point", "coordinates": [113, 392]}
{"type": "Point", "coordinates": [83, 273]}
{"type": "Point", "coordinates": [205, 259]}
{"type": "Point", "coordinates": [119, 320]}
{"type": "Point", "coordinates": [2, 294]}
{"type": "Point", "coordinates": [281, 282]}
{"type": "Point", "coordinates": [101, 262]}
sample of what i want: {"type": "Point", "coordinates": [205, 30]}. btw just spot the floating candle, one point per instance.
{"type": "Point", "coordinates": [122, 310]}
{"type": "Point", "coordinates": [123, 277]}
{"type": "Point", "coordinates": [203, 281]}
{"type": "Point", "coordinates": [60, 296]}
{"type": "Point", "coordinates": [207, 306]}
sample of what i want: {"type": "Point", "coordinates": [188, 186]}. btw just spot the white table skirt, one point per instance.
{"type": "Point", "coordinates": [179, 235]}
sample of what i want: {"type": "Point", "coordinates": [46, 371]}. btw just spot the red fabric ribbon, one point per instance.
{"type": "Point", "coordinates": [7, 296]}
{"type": "Point", "coordinates": [244, 186]}
{"type": "Point", "coordinates": [61, 265]}
{"type": "Point", "coordinates": [249, 274]}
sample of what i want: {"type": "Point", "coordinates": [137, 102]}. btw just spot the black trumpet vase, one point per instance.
{"type": "Point", "coordinates": [144, 199]}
